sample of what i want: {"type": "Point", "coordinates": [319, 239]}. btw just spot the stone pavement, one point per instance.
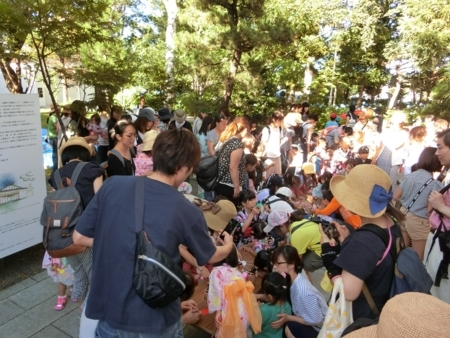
{"type": "Point", "coordinates": [26, 310]}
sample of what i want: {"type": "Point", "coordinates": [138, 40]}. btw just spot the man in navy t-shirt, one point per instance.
{"type": "Point", "coordinates": [169, 220]}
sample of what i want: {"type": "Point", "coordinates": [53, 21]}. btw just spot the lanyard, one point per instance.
{"type": "Point", "coordinates": [417, 196]}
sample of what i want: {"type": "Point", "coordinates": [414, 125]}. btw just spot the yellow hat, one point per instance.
{"type": "Point", "coordinates": [308, 168]}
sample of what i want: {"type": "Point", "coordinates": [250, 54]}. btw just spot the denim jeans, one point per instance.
{"type": "Point", "coordinates": [209, 195]}
{"type": "Point", "coordinates": [104, 330]}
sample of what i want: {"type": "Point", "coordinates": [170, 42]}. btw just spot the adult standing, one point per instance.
{"type": "Point", "coordinates": [145, 121]}
{"type": "Point", "coordinates": [164, 115]}
{"type": "Point", "coordinates": [213, 136]}
{"type": "Point", "coordinates": [351, 116]}
{"type": "Point", "coordinates": [199, 119]}
{"type": "Point", "coordinates": [307, 130]}
{"type": "Point", "coordinates": [52, 136]}
{"type": "Point", "coordinates": [364, 124]}
{"type": "Point", "coordinates": [180, 121]}
{"type": "Point", "coordinates": [378, 120]}
{"type": "Point", "coordinates": [437, 255]}
{"type": "Point", "coordinates": [414, 147]}
{"type": "Point", "coordinates": [305, 111]}
{"type": "Point", "coordinates": [272, 135]}
{"type": "Point", "coordinates": [202, 134]}
{"type": "Point", "coordinates": [120, 158]}
{"type": "Point", "coordinates": [114, 116]}
{"type": "Point", "coordinates": [413, 194]}
{"type": "Point", "coordinates": [232, 160]}
{"type": "Point", "coordinates": [109, 220]}
{"type": "Point", "coordinates": [103, 141]}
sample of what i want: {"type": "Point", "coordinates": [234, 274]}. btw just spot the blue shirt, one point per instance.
{"type": "Point", "coordinates": [331, 124]}
{"type": "Point", "coordinates": [169, 220]}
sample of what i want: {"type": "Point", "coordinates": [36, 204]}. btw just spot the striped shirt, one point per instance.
{"type": "Point", "coordinates": [411, 185]}
{"type": "Point", "coordinates": [307, 301]}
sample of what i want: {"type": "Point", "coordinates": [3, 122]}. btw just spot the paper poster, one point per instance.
{"type": "Point", "coordinates": [22, 176]}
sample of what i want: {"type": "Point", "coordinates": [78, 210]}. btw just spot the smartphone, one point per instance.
{"type": "Point", "coordinates": [230, 228]}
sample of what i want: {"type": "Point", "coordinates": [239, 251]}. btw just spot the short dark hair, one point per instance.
{"type": "Point", "coordinates": [246, 195]}
{"type": "Point", "coordinates": [445, 135]}
{"type": "Point", "coordinates": [277, 286]}
{"type": "Point", "coordinates": [297, 216]}
{"type": "Point", "coordinates": [428, 160]}
{"type": "Point", "coordinates": [327, 195]}
{"type": "Point", "coordinates": [75, 152]}
{"type": "Point", "coordinates": [290, 255]}
{"type": "Point", "coordinates": [263, 261]}
{"type": "Point", "coordinates": [232, 259]}
{"type": "Point", "coordinates": [313, 117]}
{"type": "Point", "coordinates": [251, 159]}
{"type": "Point", "coordinates": [258, 229]}
{"type": "Point", "coordinates": [348, 130]}
{"type": "Point", "coordinates": [206, 122]}
{"type": "Point", "coordinates": [174, 149]}
{"type": "Point", "coordinates": [96, 118]}
{"type": "Point", "coordinates": [141, 124]}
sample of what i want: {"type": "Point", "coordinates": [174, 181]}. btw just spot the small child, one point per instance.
{"type": "Point", "coordinates": [62, 273]}
{"type": "Point", "coordinates": [94, 127]}
{"type": "Point", "coordinates": [275, 287]}
{"type": "Point", "coordinates": [260, 240]}
{"type": "Point", "coordinates": [248, 214]}
{"type": "Point", "coordinates": [227, 291]}
{"type": "Point", "coordinates": [263, 263]}
{"type": "Point", "coordinates": [322, 156]}
{"type": "Point", "coordinates": [363, 154]}
{"type": "Point", "coordinates": [144, 160]}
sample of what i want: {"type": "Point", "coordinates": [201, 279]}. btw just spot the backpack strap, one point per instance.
{"type": "Point", "coordinates": [139, 203]}
{"type": "Point", "coordinates": [58, 180]}
{"type": "Point", "coordinates": [118, 155]}
{"type": "Point", "coordinates": [417, 195]}
{"type": "Point", "coordinates": [305, 221]}
{"type": "Point", "coordinates": [370, 300]}
{"type": "Point", "coordinates": [76, 172]}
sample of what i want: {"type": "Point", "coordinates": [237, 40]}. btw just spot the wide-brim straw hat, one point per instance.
{"type": "Point", "coordinates": [410, 315]}
{"type": "Point", "coordinates": [149, 140]}
{"type": "Point", "coordinates": [217, 215]}
{"type": "Point", "coordinates": [76, 141]}
{"type": "Point", "coordinates": [365, 191]}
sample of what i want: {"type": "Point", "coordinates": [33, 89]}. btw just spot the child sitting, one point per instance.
{"type": "Point", "coordinates": [260, 239]}
{"type": "Point", "coordinates": [275, 287]}
{"type": "Point", "coordinates": [363, 154]}
{"type": "Point", "coordinates": [234, 303]}
{"type": "Point", "coordinates": [246, 216]}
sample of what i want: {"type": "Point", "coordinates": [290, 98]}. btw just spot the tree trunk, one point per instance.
{"type": "Point", "coordinates": [229, 83]}
{"type": "Point", "coordinates": [171, 9]}
{"type": "Point", "coordinates": [398, 88]}
{"type": "Point", "coordinates": [308, 77]}
{"type": "Point", "coordinates": [12, 77]}
{"type": "Point", "coordinates": [360, 95]}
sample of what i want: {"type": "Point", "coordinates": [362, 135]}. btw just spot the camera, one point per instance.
{"type": "Point", "coordinates": [230, 228]}
{"type": "Point", "coordinates": [327, 227]}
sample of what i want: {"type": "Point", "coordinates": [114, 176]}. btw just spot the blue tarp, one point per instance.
{"type": "Point", "coordinates": [48, 163]}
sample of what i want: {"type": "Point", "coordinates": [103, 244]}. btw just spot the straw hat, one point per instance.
{"type": "Point", "coordinates": [365, 191]}
{"type": "Point", "coordinates": [308, 168]}
{"type": "Point", "coordinates": [217, 215]}
{"type": "Point", "coordinates": [410, 315]}
{"type": "Point", "coordinates": [180, 115]}
{"type": "Point", "coordinates": [76, 141]}
{"type": "Point", "coordinates": [149, 140]}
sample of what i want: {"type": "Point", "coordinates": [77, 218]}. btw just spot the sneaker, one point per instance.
{"type": "Point", "coordinates": [62, 300]}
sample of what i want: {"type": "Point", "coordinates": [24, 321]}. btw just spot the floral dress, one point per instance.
{"type": "Point", "coordinates": [143, 163]}
{"type": "Point", "coordinates": [219, 277]}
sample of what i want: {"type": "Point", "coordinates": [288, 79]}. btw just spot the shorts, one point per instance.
{"type": "Point", "coordinates": [418, 228]}
{"type": "Point", "coordinates": [312, 261]}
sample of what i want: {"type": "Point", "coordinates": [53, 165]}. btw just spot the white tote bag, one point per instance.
{"type": "Point", "coordinates": [339, 314]}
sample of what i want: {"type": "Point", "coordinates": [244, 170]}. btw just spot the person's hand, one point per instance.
{"type": "Point", "coordinates": [323, 236]}
{"type": "Point", "coordinates": [374, 162]}
{"type": "Point", "coordinates": [204, 272]}
{"type": "Point", "coordinates": [255, 211]}
{"type": "Point", "coordinates": [227, 238]}
{"type": "Point", "coordinates": [267, 209]}
{"type": "Point", "coordinates": [436, 200]}
{"type": "Point", "coordinates": [283, 319]}
{"type": "Point", "coordinates": [191, 317]}
{"type": "Point", "coordinates": [189, 305]}
{"type": "Point", "coordinates": [342, 229]}
{"type": "Point", "coordinates": [236, 192]}
{"type": "Point", "coordinates": [218, 319]}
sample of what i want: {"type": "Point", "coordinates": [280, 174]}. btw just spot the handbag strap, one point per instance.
{"type": "Point", "coordinates": [417, 195]}
{"type": "Point", "coordinates": [139, 203]}
{"type": "Point", "coordinates": [370, 300]}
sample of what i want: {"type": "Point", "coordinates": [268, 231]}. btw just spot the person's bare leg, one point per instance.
{"type": "Point", "coordinates": [419, 247]}
{"type": "Point", "coordinates": [62, 289]}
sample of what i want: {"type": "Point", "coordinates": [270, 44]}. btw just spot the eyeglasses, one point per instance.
{"type": "Point", "coordinates": [131, 135]}
{"type": "Point", "coordinates": [279, 263]}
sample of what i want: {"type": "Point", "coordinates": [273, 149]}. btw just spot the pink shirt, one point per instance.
{"type": "Point", "coordinates": [434, 217]}
{"type": "Point", "coordinates": [143, 163]}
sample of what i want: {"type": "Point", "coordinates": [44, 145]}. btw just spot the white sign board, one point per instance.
{"type": "Point", "coordinates": [22, 177]}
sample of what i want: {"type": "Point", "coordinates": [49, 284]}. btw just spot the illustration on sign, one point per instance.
{"type": "Point", "coordinates": [14, 191]}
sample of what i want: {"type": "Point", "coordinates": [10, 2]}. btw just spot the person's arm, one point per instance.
{"type": "Point", "coordinates": [210, 146]}
{"type": "Point", "coordinates": [352, 286]}
{"type": "Point", "coordinates": [437, 202]}
{"type": "Point", "coordinates": [79, 239]}
{"type": "Point", "coordinates": [222, 251]}
{"type": "Point", "coordinates": [98, 183]}
{"type": "Point", "coordinates": [308, 139]}
{"type": "Point", "coordinates": [329, 209]}
{"type": "Point", "coordinates": [377, 153]}
{"type": "Point", "coordinates": [397, 194]}
{"type": "Point", "coordinates": [235, 158]}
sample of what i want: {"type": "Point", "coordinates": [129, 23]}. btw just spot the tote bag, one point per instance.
{"type": "Point", "coordinates": [339, 314]}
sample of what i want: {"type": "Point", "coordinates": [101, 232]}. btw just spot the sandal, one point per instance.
{"type": "Point", "coordinates": [62, 300]}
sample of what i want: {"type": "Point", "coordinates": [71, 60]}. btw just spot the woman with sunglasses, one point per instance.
{"type": "Point", "coordinates": [120, 159]}
{"type": "Point", "coordinates": [309, 307]}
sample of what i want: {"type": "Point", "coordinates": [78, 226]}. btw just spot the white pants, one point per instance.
{"type": "Point", "coordinates": [87, 326]}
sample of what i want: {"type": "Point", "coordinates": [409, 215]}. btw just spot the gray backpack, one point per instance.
{"type": "Point", "coordinates": [61, 211]}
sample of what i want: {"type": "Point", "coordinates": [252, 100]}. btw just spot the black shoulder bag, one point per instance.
{"type": "Point", "coordinates": [157, 279]}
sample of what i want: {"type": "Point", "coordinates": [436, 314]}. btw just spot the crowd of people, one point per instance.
{"type": "Point", "coordinates": [278, 184]}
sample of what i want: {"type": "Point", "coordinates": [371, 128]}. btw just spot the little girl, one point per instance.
{"type": "Point", "coordinates": [231, 297]}
{"type": "Point", "coordinates": [275, 287]}
{"type": "Point", "coordinates": [248, 215]}
{"type": "Point", "coordinates": [144, 160]}
{"type": "Point", "coordinates": [260, 239]}
{"type": "Point", "coordinates": [94, 127]}
{"type": "Point", "coordinates": [62, 273]}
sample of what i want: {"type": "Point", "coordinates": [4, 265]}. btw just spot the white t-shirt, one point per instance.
{"type": "Point", "coordinates": [272, 141]}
